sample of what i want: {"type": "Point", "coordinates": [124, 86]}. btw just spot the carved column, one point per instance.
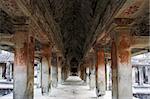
{"type": "Point", "coordinates": [141, 76]}
{"type": "Point", "coordinates": [148, 71]}
{"type": "Point", "coordinates": [63, 73]}
{"type": "Point", "coordinates": [24, 61]}
{"type": "Point", "coordinates": [100, 73]}
{"type": "Point", "coordinates": [46, 70]}
{"type": "Point", "coordinates": [54, 70]}
{"type": "Point", "coordinates": [39, 74]}
{"type": "Point", "coordinates": [1, 70]}
{"type": "Point", "coordinates": [11, 71]}
{"type": "Point", "coordinates": [108, 71]}
{"type": "Point", "coordinates": [133, 75]}
{"type": "Point", "coordinates": [8, 72]}
{"type": "Point", "coordinates": [92, 73]}
{"type": "Point", "coordinates": [114, 68]}
{"type": "Point", "coordinates": [121, 61]}
{"type": "Point", "coordinates": [83, 73]}
{"type": "Point", "coordinates": [59, 69]}
{"type": "Point", "coordinates": [87, 74]}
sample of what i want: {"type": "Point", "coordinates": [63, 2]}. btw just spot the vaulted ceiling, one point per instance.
{"type": "Point", "coordinates": [75, 19]}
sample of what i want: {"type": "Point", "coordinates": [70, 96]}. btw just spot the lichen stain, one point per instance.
{"type": "Point", "coordinates": [124, 45]}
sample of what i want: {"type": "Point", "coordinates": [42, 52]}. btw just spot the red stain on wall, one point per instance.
{"type": "Point", "coordinates": [21, 55]}
{"type": "Point", "coordinates": [100, 57]}
{"type": "Point", "coordinates": [124, 45]}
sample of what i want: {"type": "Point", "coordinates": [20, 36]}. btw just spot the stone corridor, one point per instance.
{"type": "Point", "coordinates": [95, 40]}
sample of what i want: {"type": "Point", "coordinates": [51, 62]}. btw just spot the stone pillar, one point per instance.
{"type": "Point", "coordinates": [11, 71]}
{"type": "Point", "coordinates": [39, 74]}
{"type": "Point", "coordinates": [59, 69]}
{"type": "Point", "coordinates": [136, 75]}
{"type": "Point", "coordinates": [106, 74]}
{"type": "Point", "coordinates": [83, 73]}
{"type": "Point", "coordinates": [63, 74]}
{"type": "Point", "coordinates": [114, 70]}
{"type": "Point", "coordinates": [100, 73]}
{"type": "Point", "coordinates": [87, 75]}
{"type": "Point", "coordinates": [46, 68]}
{"type": "Point", "coordinates": [92, 74]}
{"type": "Point", "coordinates": [24, 64]}
{"type": "Point", "coordinates": [1, 70]}
{"type": "Point", "coordinates": [121, 64]}
{"type": "Point", "coordinates": [54, 70]}
{"type": "Point", "coordinates": [141, 76]}
{"type": "Point", "coordinates": [66, 73]}
{"type": "Point", "coordinates": [133, 75]}
{"type": "Point", "coordinates": [108, 71]}
{"type": "Point", "coordinates": [148, 71]}
{"type": "Point", "coordinates": [8, 67]}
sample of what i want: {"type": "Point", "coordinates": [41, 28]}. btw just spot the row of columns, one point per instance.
{"type": "Point", "coordinates": [120, 66]}
{"type": "Point", "coordinates": [64, 72]}
{"type": "Point", "coordinates": [141, 74]}
{"type": "Point", "coordinates": [9, 71]}
{"type": "Point", "coordinates": [46, 70]}
{"type": "Point", "coordinates": [48, 67]}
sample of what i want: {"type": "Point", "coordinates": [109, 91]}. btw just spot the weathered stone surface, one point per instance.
{"type": "Point", "coordinates": [73, 27]}
{"type": "Point", "coordinates": [100, 73]}
{"type": "Point", "coordinates": [24, 66]}
{"type": "Point", "coordinates": [121, 65]}
{"type": "Point", "coordinates": [46, 70]}
{"type": "Point", "coordinates": [54, 70]}
{"type": "Point", "coordinates": [114, 70]}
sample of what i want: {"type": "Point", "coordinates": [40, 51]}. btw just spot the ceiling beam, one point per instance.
{"type": "Point", "coordinates": [140, 41]}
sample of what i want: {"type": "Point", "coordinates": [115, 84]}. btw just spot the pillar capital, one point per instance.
{"type": "Point", "coordinates": [122, 25]}
{"type": "Point", "coordinates": [21, 23]}
{"type": "Point", "coordinates": [123, 22]}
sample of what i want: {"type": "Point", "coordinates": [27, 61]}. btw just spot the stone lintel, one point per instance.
{"type": "Point", "coordinates": [140, 41]}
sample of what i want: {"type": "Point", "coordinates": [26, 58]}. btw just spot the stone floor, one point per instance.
{"type": "Point", "coordinates": [73, 88]}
